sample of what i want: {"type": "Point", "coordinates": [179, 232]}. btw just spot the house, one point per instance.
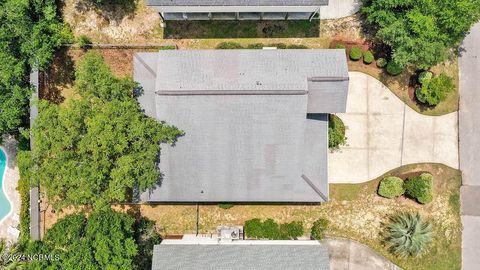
{"type": "Point", "coordinates": [209, 252]}
{"type": "Point", "coordinates": [237, 9]}
{"type": "Point", "coordinates": [255, 122]}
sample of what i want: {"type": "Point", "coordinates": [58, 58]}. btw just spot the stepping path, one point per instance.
{"type": "Point", "coordinates": [383, 133]}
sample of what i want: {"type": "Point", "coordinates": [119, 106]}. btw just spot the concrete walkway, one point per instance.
{"type": "Point", "coordinates": [339, 9]}
{"type": "Point", "coordinates": [350, 255]}
{"type": "Point", "coordinates": [470, 148]}
{"type": "Point", "coordinates": [383, 133]}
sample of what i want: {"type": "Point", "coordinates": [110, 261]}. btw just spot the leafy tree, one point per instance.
{"type": "Point", "coordinates": [101, 147]}
{"type": "Point", "coordinates": [435, 90]}
{"type": "Point", "coordinates": [318, 229]}
{"type": "Point", "coordinates": [104, 240]}
{"type": "Point", "coordinates": [421, 32]}
{"type": "Point", "coordinates": [408, 234]}
{"type": "Point", "coordinates": [391, 187]}
{"type": "Point", "coordinates": [30, 32]}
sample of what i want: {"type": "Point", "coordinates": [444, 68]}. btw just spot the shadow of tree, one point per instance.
{"type": "Point", "coordinates": [110, 10]}
{"type": "Point", "coordinates": [241, 29]}
{"type": "Point", "coordinates": [60, 74]}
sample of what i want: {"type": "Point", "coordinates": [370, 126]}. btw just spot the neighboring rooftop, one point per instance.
{"type": "Point", "coordinates": [241, 255]}
{"type": "Point", "coordinates": [243, 142]}
{"type": "Point", "coordinates": [237, 2]}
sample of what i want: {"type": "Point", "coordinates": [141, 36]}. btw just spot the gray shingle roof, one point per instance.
{"type": "Point", "coordinates": [237, 2]}
{"type": "Point", "coordinates": [241, 257]}
{"type": "Point", "coordinates": [242, 143]}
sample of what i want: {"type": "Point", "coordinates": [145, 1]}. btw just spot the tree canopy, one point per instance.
{"type": "Point", "coordinates": [104, 240]}
{"type": "Point", "coordinates": [100, 147]}
{"type": "Point", "coordinates": [29, 34]}
{"type": "Point", "coordinates": [421, 32]}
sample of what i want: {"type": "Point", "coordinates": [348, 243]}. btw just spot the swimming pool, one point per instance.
{"type": "Point", "coordinates": [4, 202]}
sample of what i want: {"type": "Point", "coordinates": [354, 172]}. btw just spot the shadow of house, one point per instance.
{"type": "Point", "coordinates": [242, 29]}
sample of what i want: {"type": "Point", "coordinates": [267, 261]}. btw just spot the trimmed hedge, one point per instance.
{"type": "Point", "coordinates": [368, 57]}
{"type": "Point", "coordinates": [229, 46]}
{"type": "Point", "coordinates": [24, 162]}
{"type": "Point", "coordinates": [391, 187]}
{"type": "Point", "coordinates": [420, 188]}
{"type": "Point", "coordinates": [318, 229]}
{"type": "Point", "coordinates": [393, 68]}
{"type": "Point", "coordinates": [381, 62]}
{"type": "Point", "coordinates": [269, 229]}
{"type": "Point", "coordinates": [355, 54]}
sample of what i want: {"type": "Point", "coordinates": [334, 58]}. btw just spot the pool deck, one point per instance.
{"type": "Point", "coordinates": [11, 178]}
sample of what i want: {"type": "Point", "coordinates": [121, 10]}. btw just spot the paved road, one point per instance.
{"type": "Point", "coordinates": [383, 133]}
{"type": "Point", "coordinates": [469, 125]}
{"type": "Point", "coordinates": [350, 255]}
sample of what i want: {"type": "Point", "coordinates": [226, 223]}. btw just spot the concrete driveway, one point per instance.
{"type": "Point", "coordinates": [383, 133]}
{"type": "Point", "coordinates": [350, 255]}
{"type": "Point", "coordinates": [339, 9]}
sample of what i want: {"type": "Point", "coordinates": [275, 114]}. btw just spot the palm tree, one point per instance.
{"type": "Point", "coordinates": [5, 263]}
{"type": "Point", "coordinates": [408, 235]}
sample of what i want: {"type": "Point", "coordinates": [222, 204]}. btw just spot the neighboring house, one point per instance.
{"type": "Point", "coordinates": [203, 252]}
{"type": "Point", "coordinates": [255, 122]}
{"type": "Point", "coordinates": [237, 9]}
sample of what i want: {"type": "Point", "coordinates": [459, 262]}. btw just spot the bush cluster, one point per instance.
{"type": "Point", "coordinates": [420, 188]}
{"type": "Point", "coordinates": [318, 229]}
{"type": "Point", "coordinates": [368, 57]}
{"type": "Point", "coordinates": [435, 90]}
{"type": "Point", "coordinates": [225, 205]}
{"type": "Point", "coordinates": [391, 187]}
{"type": "Point", "coordinates": [425, 77]}
{"type": "Point", "coordinates": [235, 45]}
{"type": "Point", "coordinates": [336, 132]}
{"type": "Point", "coordinates": [269, 229]}
{"type": "Point", "coordinates": [393, 68]}
{"type": "Point", "coordinates": [355, 54]}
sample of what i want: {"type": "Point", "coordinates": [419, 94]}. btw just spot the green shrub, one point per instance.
{"type": "Point", "coordinates": [393, 68]}
{"type": "Point", "coordinates": [84, 42]}
{"type": "Point", "coordinates": [167, 47]}
{"type": "Point", "coordinates": [420, 187]}
{"type": "Point", "coordinates": [355, 53]}
{"type": "Point", "coordinates": [435, 91]}
{"type": "Point", "coordinates": [225, 205]}
{"type": "Point", "coordinates": [229, 45]}
{"type": "Point", "coordinates": [25, 165]}
{"type": "Point", "coordinates": [391, 187]}
{"type": "Point", "coordinates": [318, 229]}
{"type": "Point", "coordinates": [336, 132]}
{"type": "Point", "coordinates": [425, 77]}
{"type": "Point", "coordinates": [296, 46]}
{"type": "Point", "coordinates": [255, 46]}
{"type": "Point", "coordinates": [269, 229]}
{"type": "Point", "coordinates": [368, 57]}
{"type": "Point", "coordinates": [381, 62]}
{"type": "Point", "coordinates": [277, 45]}
{"type": "Point", "coordinates": [408, 235]}
{"type": "Point", "coordinates": [340, 46]}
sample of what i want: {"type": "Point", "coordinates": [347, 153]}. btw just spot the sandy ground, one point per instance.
{"type": "Point", "coordinates": [11, 178]}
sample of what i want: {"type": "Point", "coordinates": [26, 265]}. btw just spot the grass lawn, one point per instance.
{"type": "Point", "coordinates": [355, 212]}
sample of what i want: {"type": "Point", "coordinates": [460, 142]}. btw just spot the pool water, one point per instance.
{"type": "Point", "coordinates": [4, 203]}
